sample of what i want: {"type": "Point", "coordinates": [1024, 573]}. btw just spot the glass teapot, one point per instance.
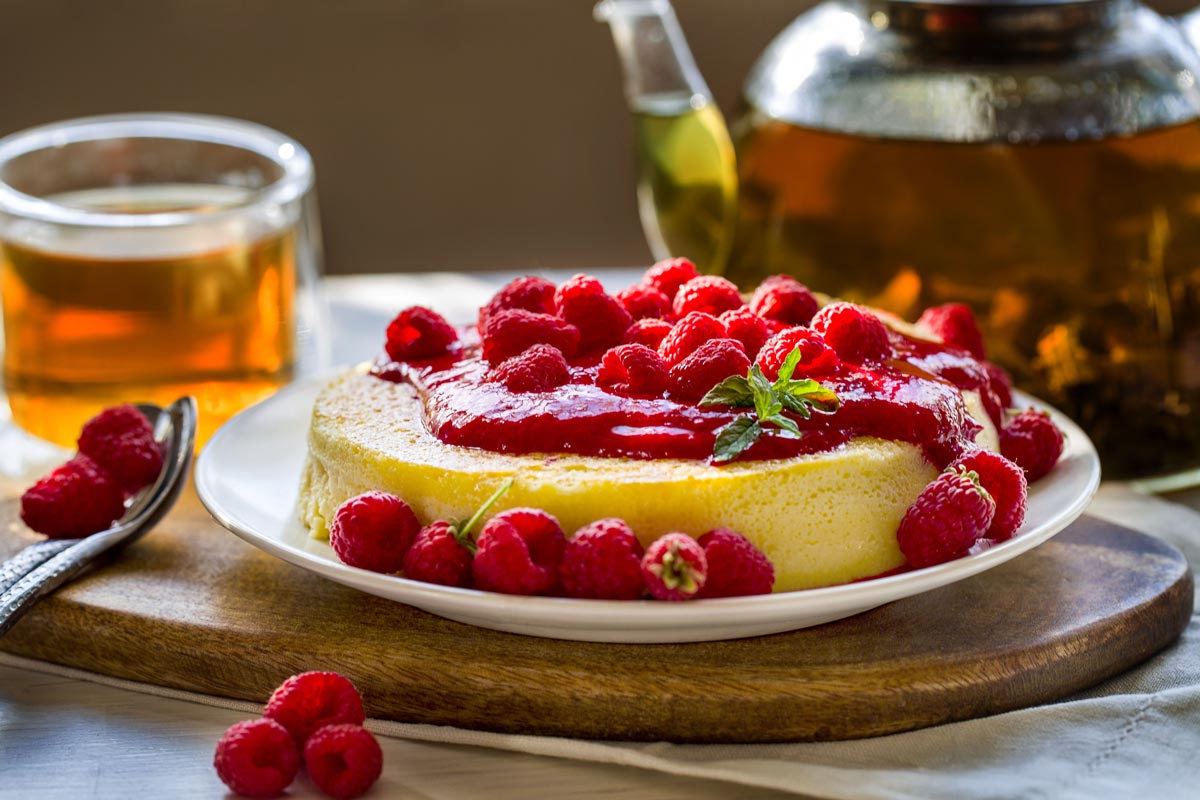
{"type": "Point", "coordinates": [1036, 159]}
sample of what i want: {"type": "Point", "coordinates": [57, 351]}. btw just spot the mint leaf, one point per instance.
{"type": "Point", "coordinates": [780, 421]}
{"type": "Point", "coordinates": [787, 369]}
{"type": "Point", "coordinates": [735, 438]}
{"type": "Point", "coordinates": [813, 394]}
{"type": "Point", "coordinates": [733, 391]}
{"type": "Point", "coordinates": [796, 404]}
{"type": "Point", "coordinates": [764, 393]}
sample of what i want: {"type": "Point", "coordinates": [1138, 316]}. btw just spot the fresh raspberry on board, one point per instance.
{"type": "Point", "coordinates": [311, 700]}
{"type": "Point", "coordinates": [373, 531]}
{"type": "Point", "coordinates": [854, 332]}
{"type": "Point", "coordinates": [1000, 383]}
{"type": "Point", "coordinates": [674, 567]}
{"type": "Point", "coordinates": [948, 517]}
{"type": "Point", "coordinates": [539, 369]}
{"type": "Point", "coordinates": [785, 299]}
{"type": "Point", "coordinates": [736, 567]}
{"type": "Point", "coordinates": [518, 552]}
{"type": "Point", "coordinates": [603, 561]}
{"type": "Point", "coordinates": [439, 555]}
{"type": "Point", "coordinates": [747, 327]}
{"type": "Point", "coordinates": [418, 333]}
{"type": "Point", "coordinates": [1005, 482]}
{"type": "Point", "coordinates": [667, 276]}
{"type": "Point", "coordinates": [633, 369]}
{"type": "Point", "coordinates": [344, 761]}
{"type": "Point", "coordinates": [956, 326]}
{"type": "Point", "coordinates": [601, 320]}
{"type": "Point", "coordinates": [528, 294]}
{"type": "Point", "coordinates": [816, 357]}
{"type": "Point", "coordinates": [77, 499]}
{"type": "Point", "coordinates": [1033, 442]}
{"type": "Point", "coordinates": [121, 441]}
{"type": "Point", "coordinates": [708, 293]}
{"type": "Point", "coordinates": [711, 363]}
{"type": "Point", "coordinates": [257, 758]}
{"type": "Point", "coordinates": [689, 333]}
{"type": "Point", "coordinates": [649, 332]}
{"type": "Point", "coordinates": [513, 331]}
{"type": "Point", "coordinates": [645, 302]}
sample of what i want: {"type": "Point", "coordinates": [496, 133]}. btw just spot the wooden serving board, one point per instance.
{"type": "Point", "coordinates": [193, 607]}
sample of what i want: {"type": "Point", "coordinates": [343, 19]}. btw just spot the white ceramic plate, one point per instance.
{"type": "Point", "coordinates": [248, 477]}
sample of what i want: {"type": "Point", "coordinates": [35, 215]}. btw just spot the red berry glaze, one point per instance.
{"type": "Point", "coordinates": [1000, 382]}
{"type": "Point", "coordinates": [511, 332]}
{"type": "Point", "coordinates": [950, 515]}
{"type": "Point", "coordinates": [853, 332]}
{"type": "Point", "coordinates": [667, 276]}
{"type": "Point", "coordinates": [708, 293]}
{"type": "Point", "coordinates": [308, 701]}
{"type": "Point", "coordinates": [689, 333]}
{"type": "Point", "coordinates": [344, 761]}
{"type": "Point", "coordinates": [438, 555]}
{"type": "Point", "coordinates": [601, 320]}
{"type": "Point", "coordinates": [528, 294]}
{"type": "Point", "coordinates": [257, 758]}
{"type": "Point", "coordinates": [418, 333]}
{"type": "Point", "coordinates": [539, 369]}
{"type": "Point", "coordinates": [518, 552]}
{"type": "Point", "coordinates": [736, 567]}
{"type": "Point", "coordinates": [644, 302]}
{"type": "Point", "coordinates": [77, 499]}
{"type": "Point", "coordinates": [633, 369]}
{"type": "Point", "coordinates": [674, 567]}
{"type": "Point", "coordinates": [121, 441]}
{"type": "Point", "coordinates": [1033, 442]}
{"type": "Point", "coordinates": [603, 561]}
{"type": "Point", "coordinates": [956, 326]}
{"type": "Point", "coordinates": [1005, 482]}
{"type": "Point", "coordinates": [816, 357]}
{"type": "Point", "coordinates": [711, 363]}
{"type": "Point", "coordinates": [649, 332]}
{"type": "Point", "coordinates": [785, 299]}
{"type": "Point", "coordinates": [747, 327]}
{"type": "Point", "coordinates": [373, 531]}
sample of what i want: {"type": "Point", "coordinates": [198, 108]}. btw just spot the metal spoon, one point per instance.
{"type": "Point", "coordinates": [41, 568]}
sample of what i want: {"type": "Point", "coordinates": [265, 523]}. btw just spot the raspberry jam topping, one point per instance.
{"type": "Point", "coordinates": [912, 396]}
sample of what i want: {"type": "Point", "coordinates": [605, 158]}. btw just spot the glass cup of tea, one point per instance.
{"type": "Point", "coordinates": [148, 256]}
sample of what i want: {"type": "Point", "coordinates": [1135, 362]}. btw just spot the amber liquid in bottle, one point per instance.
{"type": "Point", "coordinates": [1080, 259]}
{"type": "Point", "coordinates": [86, 331]}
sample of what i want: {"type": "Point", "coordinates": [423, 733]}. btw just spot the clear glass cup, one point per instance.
{"type": "Point", "coordinates": [148, 256]}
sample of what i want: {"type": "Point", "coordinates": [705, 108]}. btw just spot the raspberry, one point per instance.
{"type": "Point", "coordinates": [854, 332]}
{"type": "Point", "coordinates": [816, 357]}
{"type": "Point", "coordinates": [418, 333]}
{"type": "Point", "coordinates": [708, 293]}
{"type": "Point", "coordinates": [649, 332]}
{"type": "Point", "coordinates": [1000, 383]}
{"type": "Point", "coordinates": [439, 555]}
{"type": "Point", "coordinates": [308, 701]}
{"type": "Point", "coordinates": [667, 276]}
{"type": "Point", "coordinates": [121, 441]}
{"type": "Point", "coordinates": [785, 299]}
{"type": "Point", "coordinates": [518, 552]}
{"type": "Point", "coordinates": [689, 333]}
{"type": "Point", "coordinates": [1033, 442]}
{"type": "Point", "coordinates": [735, 566]}
{"type": "Point", "coordinates": [633, 369]}
{"type": "Point", "coordinates": [527, 293]}
{"type": "Point", "coordinates": [674, 567]}
{"type": "Point", "coordinates": [747, 327]}
{"type": "Point", "coordinates": [949, 516]}
{"type": "Point", "coordinates": [77, 499]}
{"type": "Point", "coordinates": [601, 320]}
{"type": "Point", "coordinates": [513, 331]}
{"type": "Point", "coordinates": [344, 761]}
{"type": "Point", "coordinates": [256, 758]}
{"type": "Point", "coordinates": [603, 561]}
{"type": "Point", "coordinates": [539, 369]}
{"type": "Point", "coordinates": [713, 362]}
{"type": "Point", "coordinates": [1005, 482]}
{"type": "Point", "coordinates": [645, 302]}
{"type": "Point", "coordinates": [775, 326]}
{"type": "Point", "coordinates": [373, 531]}
{"type": "Point", "coordinates": [956, 326]}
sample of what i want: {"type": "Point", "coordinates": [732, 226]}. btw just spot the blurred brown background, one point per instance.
{"type": "Point", "coordinates": [447, 134]}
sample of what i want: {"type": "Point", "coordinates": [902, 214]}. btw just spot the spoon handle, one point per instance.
{"type": "Point", "coordinates": [41, 580]}
{"type": "Point", "coordinates": [29, 559]}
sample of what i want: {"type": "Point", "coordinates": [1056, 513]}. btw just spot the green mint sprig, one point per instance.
{"type": "Point", "coordinates": [769, 400]}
